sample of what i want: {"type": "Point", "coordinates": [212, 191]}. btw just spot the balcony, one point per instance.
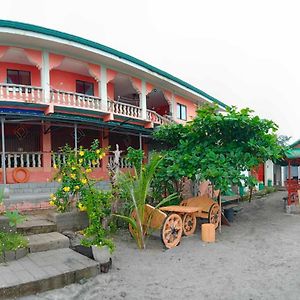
{"type": "Point", "coordinates": [61, 99]}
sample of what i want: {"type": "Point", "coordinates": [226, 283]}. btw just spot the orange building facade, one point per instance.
{"type": "Point", "coordinates": [57, 88]}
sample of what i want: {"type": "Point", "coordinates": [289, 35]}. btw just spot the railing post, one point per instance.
{"type": "Point", "coordinates": [102, 85]}
{"type": "Point", "coordinates": [45, 77]}
{"type": "Point", "coordinates": [143, 100]}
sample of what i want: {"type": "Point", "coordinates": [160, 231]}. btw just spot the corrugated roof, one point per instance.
{"type": "Point", "coordinates": [74, 38]}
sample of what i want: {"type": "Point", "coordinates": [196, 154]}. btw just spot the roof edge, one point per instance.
{"type": "Point", "coordinates": [86, 42]}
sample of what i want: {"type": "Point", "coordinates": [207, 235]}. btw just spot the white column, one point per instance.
{"type": "Point", "coordinates": [173, 107]}
{"type": "Point", "coordinates": [143, 100]}
{"type": "Point", "coordinates": [45, 76]}
{"type": "Point", "coordinates": [282, 169]}
{"type": "Point", "coordinates": [269, 172]}
{"type": "Point", "coordinates": [103, 88]}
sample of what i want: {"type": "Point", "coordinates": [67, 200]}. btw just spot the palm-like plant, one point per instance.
{"type": "Point", "coordinates": [137, 189]}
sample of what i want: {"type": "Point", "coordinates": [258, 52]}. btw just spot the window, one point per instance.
{"type": "Point", "coordinates": [181, 111]}
{"type": "Point", "coordinates": [84, 87]}
{"type": "Point", "coordinates": [18, 77]}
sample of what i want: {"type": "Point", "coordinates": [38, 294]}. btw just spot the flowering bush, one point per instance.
{"type": "Point", "coordinates": [73, 174]}
{"type": "Point", "coordinates": [77, 187]}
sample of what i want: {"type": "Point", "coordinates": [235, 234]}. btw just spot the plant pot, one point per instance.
{"type": "Point", "coordinates": [73, 220]}
{"type": "Point", "coordinates": [103, 256]}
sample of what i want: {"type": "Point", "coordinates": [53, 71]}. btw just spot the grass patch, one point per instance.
{"type": "Point", "coordinates": [12, 241]}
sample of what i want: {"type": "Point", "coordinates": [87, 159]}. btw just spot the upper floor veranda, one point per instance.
{"type": "Point", "coordinates": [53, 72]}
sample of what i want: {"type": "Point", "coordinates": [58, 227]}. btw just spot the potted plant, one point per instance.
{"type": "Point", "coordinates": [97, 204]}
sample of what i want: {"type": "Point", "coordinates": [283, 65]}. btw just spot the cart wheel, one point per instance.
{"type": "Point", "coordinates": [213, 215]}
{"type": "Point", "coordinates": [133, 232]}
{"type": "Point", "coordinates": [189, 224]}
{"type": "Point", "coordinates": [171, 231]}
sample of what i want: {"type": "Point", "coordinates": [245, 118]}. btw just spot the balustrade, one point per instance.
{"type": "Point", "coordinates": [123, 162]}
{"type": "Point", "coordinates": [23, 93]}
{"type": "Point", "coordinates": [156, 118]}
{"type": "Point", "coordinates": [23, 159]}
{"type": "Point", "coordinates": [124, 109]}
{"type": "Point", "coordinates": [64, 98]}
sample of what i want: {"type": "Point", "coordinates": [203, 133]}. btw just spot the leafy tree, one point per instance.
{"type": "Point", "coordinates": [217, 146]}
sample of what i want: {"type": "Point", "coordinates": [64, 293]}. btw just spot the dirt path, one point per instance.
{"type": "Point", "coordinates": [258, 257]}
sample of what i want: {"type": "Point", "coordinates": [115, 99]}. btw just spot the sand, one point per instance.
{"type": "Point", "coordinates": [258, 257]}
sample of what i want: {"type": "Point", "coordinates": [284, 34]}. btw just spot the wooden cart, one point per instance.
{"type": "Point", "coordinates": [172, 221]}
{"type": "Point", "coordinates": [210, 210]}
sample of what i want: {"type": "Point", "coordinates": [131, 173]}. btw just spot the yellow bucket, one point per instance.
{"type": "Point", "coordinates": [208, 233]}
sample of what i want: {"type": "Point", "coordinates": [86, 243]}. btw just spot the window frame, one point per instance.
{"type": "Point", "coordinates": [179, 112]}
{"type": "Point", "coordinates": [84, 83]}
{"type": "Point", "coordinates": [18, 72]}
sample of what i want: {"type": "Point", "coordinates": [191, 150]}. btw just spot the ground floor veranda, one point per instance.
{"type": "Point", "coordinates": [33, 144]}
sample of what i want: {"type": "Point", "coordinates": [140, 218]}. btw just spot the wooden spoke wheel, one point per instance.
{"type": "Point", "coordinates": [189, 223]}
{"type": "Point", "coordinates": [213, 215]}
{"type": "Point", "coordinates": [133, 231]}
{"type": "Point", "coordinates": [171, 231]}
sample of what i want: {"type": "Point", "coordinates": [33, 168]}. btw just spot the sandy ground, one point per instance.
{"type": "Point", "coordinates": [258, 257]}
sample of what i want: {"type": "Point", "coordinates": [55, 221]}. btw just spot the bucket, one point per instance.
{"type": "Point", "coordinates": [241, 191]}
{"type": "Point", "coordinates": [269, 182]}
{"type": "Point", "coordinates": [208, 233]}
{"type": "Point", "coordinates": [229, 214]}
{"type": "Point", "coordinates": [261, 186]}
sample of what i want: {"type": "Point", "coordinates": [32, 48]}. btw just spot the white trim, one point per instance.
{"type": "Point", "coordinates": [143, 100]}
{"type": "Point", "coordinates": [103, 88]}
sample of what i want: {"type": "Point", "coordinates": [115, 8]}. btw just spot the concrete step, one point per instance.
{"type": "Point", "coordinates": [35, 224]}
{"type": "Point", "coordinates": [42, 271]}
{"type": "Point", "coordinates": [47, 241]}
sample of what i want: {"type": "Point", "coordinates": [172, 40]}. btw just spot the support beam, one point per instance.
{"type": "Point", "coordinates": [75, 137]}
{"type": "Point", "coordinates": [102, 85]}
{"type": "Point", "coordinates": [45, 77]}
{"type": "Point", "coordinates": [143, 100]}
{"type": "Point", "coordinates": [3, 151]}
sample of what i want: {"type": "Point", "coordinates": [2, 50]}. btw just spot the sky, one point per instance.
{"type": "Point", "coordinates": [244, 53]}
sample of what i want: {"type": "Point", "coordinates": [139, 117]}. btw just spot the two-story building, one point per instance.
{"type": "Point", "coordinates": [57, 88]}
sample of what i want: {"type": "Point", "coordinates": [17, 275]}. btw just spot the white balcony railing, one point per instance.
{"type": "Point", "coordinates": [31, 94]}
{"type": "Point", "coordinates": [123, 162]}
{"type": "Point", "coordinates": [59, 158]}
{"type": "Point", "coordinates": [124, 109]}
{"type": "Point", "coordinates": [156, 118]}
{"type": "Point", "coordinates": [63, 98]}
{"type": "Point", "coordinates": [22, 93]}
{"type": "Point", "coordinates": [23, 159]}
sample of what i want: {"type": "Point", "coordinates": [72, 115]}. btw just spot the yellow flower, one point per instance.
{"type": "Point", "coordinates": [89, 170]}
{"type": "Point", "coordinates": [81, 153]}
{"type": "Point", "coordinates": [93, 162]}
{"type": "Point", "coordinates": [81, 207]}
{"type": "Point", "coordinates": [83, 181]}
{"type": "Point", "coordinates": [73, 168]}
{"type": "Point", "coordinates": [76, 187]}
{"type": "Point", "coordinates": [52, 197]}
{"type": "Point", "coordinates": [97, 151]}
{"type": "Point", "coordinates": [73, 176]}
{"type": "Point", "coordinates": [55, 166]}
{"type": "Point", "coordinates": [66, 189]}
{"type": "Point", "coordinates": [51, 203]}
{"type": "Point", "coordinates": [80, 160]}
{"type": "Point", "coordinates": [58, 179]}
{"type": "Point", "coordinates": [102, 155]}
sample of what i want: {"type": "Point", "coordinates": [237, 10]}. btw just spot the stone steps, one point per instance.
{"type": "Point", "coordinates": [47, 241]}
{"type": "Point", "coordinates": [35, 224]}
{"type": "Point", "coordinates": [42, 271]}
